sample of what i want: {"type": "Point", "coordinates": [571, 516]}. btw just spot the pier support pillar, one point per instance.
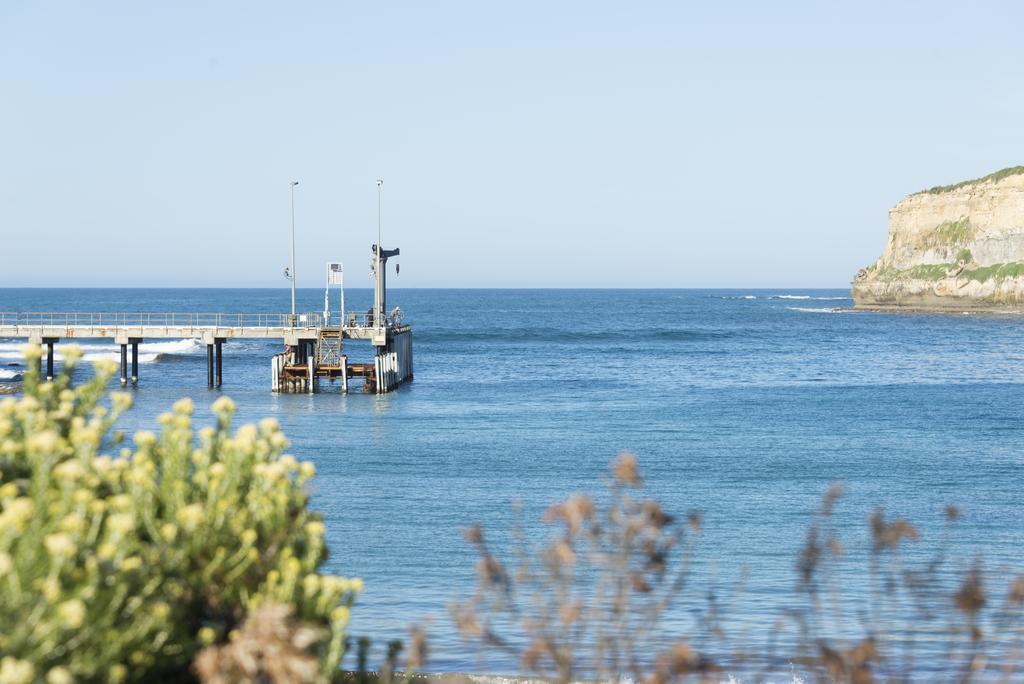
{"type": "Point", "coordinates": [135, 361]}
{"type": "Point", "coordinates": [310, 372]}
{"type": "Point", "coordinates": [209, 366]}
{"type": "Point", "coordinates": [124, 364]}
{"type": "Point", "coordinates": [49, 358]}
{"type": "Point", "coordinates": [220, 364]}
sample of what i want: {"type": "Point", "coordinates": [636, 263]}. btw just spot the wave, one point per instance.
{"type": "Point", "coordinates": [115, 356]}
{"type": "Point", "coordinates": [171, 346]}
{"type": "Point", "coordinates": [810, 310]}
{"type": "Point", "coordinates": [821, 299]}
{"type": "Point", "coordinates": [784, 296]}
{"type": "Point", "coordinates": [7, 376]}
{"type": "Point", "coordinates": [149, 352]}
{"type": "Point", "coordinates": [549, 335]}
{"type": "Point", "coordinates": [562, 336]}
{"type": "Point", "coordinates": [693, 334]}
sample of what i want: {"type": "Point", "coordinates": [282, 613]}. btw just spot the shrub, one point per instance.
{"type": "Point", "coordinates": [119, 563]}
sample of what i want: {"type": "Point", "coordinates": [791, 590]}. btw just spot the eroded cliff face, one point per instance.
{"type": "Point", "coordinates": [957, 247]}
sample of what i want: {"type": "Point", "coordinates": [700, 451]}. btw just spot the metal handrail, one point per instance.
{"type": "Point", "coordinates": [162, 319]}
{"type": "Point", "coordinates": [365, 320]}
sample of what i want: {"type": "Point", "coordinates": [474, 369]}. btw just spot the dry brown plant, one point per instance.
{"type": "Point", "coordinates": [911, 612]}
{"type": "Point", "coordinates": [589, 602]}
{"type": "Point", "coordinates": [269, 647]}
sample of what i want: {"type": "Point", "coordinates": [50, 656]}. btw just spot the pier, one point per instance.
{"type": "Point", "coordinates": [314, 348]}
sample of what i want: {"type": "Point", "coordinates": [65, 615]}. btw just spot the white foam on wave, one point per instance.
{"type": "Point", "coordinates": [114, 356]}
{"type": "Point", "coordinates": [9, 375]}
{"type": "Point", "coordinates": [149, 352]}
{"type": "Point", "coordinates": [806, 309]}
{"type": "Point", "coordinates": [171, 346]}
{"type": "Point", "coordinates": [817, 299]}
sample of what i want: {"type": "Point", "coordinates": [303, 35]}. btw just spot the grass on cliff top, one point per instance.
{"type": "Point", "coordinates": [993, 177]}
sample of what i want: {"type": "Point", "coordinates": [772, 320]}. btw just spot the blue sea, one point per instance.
{"type": "Point", "coordinates": [744, 405]}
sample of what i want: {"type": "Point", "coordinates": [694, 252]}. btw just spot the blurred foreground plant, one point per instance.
{"type": "Point", "coordinates": [932, 617]}
{"type": "Point", "coordinates": [592, 602]}
{"type": "Point", "coordinates": [120, 563]}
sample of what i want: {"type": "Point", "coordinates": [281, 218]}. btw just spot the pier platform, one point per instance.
{"type": "Point", "coordinates": [314, 349]}
{"type": "Point", "coordinates": [312, 345]}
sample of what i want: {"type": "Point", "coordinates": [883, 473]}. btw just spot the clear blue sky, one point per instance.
{"type": "Point", "coordinates": [523, 144]}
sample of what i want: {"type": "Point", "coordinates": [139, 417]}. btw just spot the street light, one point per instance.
{"type": "Point", "coordinates": [292, 189]}
{"type": "Point", "coordinates": [380, 182]}
{"type": "Point", "coordinates": [378, 313]}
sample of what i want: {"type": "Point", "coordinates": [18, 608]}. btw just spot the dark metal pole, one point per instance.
{"type": "Point", "coordinates": [124, 364]}
{"type": "Point", "coordinates": [49, 359]}
{"type": "Point", "coordinates": [220, 366]}
{"type": "Point", "coordinates": [209, 365]}
{"type": "Point", "coordinates": [135, 362]}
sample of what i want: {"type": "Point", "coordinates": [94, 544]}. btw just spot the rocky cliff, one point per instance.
{"type": "Point", "coordinates": [956, 247]}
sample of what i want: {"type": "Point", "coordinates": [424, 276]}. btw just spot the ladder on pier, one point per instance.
{"type": "Point", "coordinates": [329, 349]}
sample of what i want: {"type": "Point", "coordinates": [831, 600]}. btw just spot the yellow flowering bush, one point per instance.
{"type": "Point", "coordinates": [120, 560]}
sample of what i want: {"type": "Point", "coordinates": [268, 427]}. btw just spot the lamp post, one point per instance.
{"type": "Point", "coordinates": [292, 189]}
{"type": "Point", "coordinates": [378, 298]}
{"type": "Point", "coordinates": [380, 182]}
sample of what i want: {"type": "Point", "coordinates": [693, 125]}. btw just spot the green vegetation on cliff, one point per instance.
{"type": "Point", "coordinates": [948, 234]}
{"type": "Point", "coordinates": [1013, 269]}
{"type": "Point", "coordinates": [953, 232]}
{"type": "Point", "coordinates": [993, 177]}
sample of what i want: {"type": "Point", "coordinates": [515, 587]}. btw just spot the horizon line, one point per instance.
{"type": "Point", "coordinates": [461, 287]}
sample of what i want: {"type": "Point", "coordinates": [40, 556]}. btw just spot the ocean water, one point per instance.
{"type": "Point", "coordinates": [742, 404]}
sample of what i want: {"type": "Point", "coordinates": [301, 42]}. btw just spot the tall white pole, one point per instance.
{"type": "Point", "coordinates": [380, 182]}
{"type": "Point", "coordinates": [292, 186]}
{"type": "Point", "coordinates": [378, 314]}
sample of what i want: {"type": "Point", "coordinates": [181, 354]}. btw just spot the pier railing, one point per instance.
{"type": "Point", "coordinates": [159, 319]}
{"type": "Point", "coordinates": [365, 320]}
